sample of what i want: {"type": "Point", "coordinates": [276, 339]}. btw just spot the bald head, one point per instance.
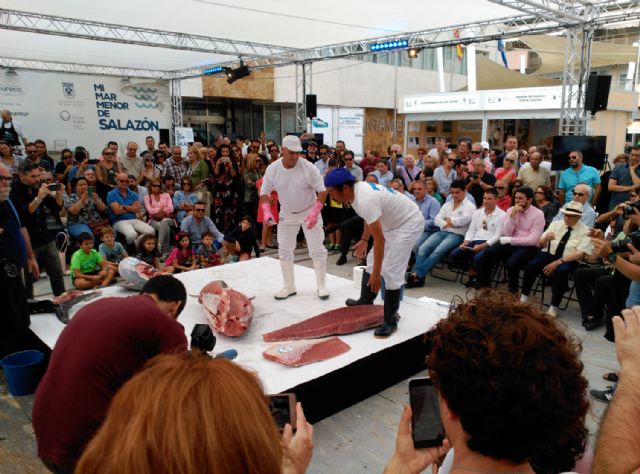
{"type": "Point", "coordinates": [581, 193]}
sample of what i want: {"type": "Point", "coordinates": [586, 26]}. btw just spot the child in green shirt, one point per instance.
{"type": "Point", "coordinates": [88, 269]}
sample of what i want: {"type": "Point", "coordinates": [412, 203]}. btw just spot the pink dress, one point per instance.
{"type": "Point", "coordinates": [181, 259]}
{"type": "Point", "coordinates": [274, 204]}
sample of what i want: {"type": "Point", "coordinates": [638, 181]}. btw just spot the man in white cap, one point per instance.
{"type": "Point", "coordinates": [563, 244]}
{"type": "Point", "coordinates": [302, 194]}
{"type": "Point", "coordinates": [396, 224]}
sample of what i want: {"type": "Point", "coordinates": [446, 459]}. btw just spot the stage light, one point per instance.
{"type": "Point", "coordinates": [395, 44]}
{"type": "Point", "coordinates": [413, 53]}
{"type": "Point", "coordinates": [238, 73]}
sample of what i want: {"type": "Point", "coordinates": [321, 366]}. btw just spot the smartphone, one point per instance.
{"type": "Point", "coordinates": [53, 187]}
{"type": "Point", "coordinates": [93, 161]}
{"type": "Point", "coordinates": [426, 426]}
{"type": "Point", "coordinates": [283, 409]}
{"type": "Point", "coordinates": [91, 190]}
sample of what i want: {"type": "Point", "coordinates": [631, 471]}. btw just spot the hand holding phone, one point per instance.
{"type": "Point", "coordinates": [53, 187]}
{"type": "Point", "coordinates": [283, 409]}
{"type": "Point", "coordinates": [426, 426]}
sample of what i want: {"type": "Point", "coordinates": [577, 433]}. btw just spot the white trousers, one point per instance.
{"type": "Point", "coordinates": [132, 227]}
{"type": "Point", "coordinates": [288, 228]}
{"type": "Point", "coordinates": [398, 244]}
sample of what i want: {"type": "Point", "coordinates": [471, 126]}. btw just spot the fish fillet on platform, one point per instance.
{"type": "Point", "coordinates": [346, 320]}
{"type": "Point", "coordinates": [297, 353]}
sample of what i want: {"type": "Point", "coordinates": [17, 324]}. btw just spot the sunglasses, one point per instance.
{"type": "Point", "coordinates": [633, 195]}
{"type": "Point", "coordinates": [510, 161]}
{"type": "Point", "coordinates": [348, 159]}
{"type": "Point", "coordinates": [170, 185]}
{"type": "Point", "coordinates": [501, 187]}
{"type": "Point", "coordinates": [475, 152]}
{"type": "Point", "coordinates": [149, 160]}
{"type": "Point", "coordinates": [108, 153]}
{"type": "Point", "coordinates": [32, 152]}
{"type": "Point", "coordinates": [573, 157]}
{"type": "Point", "coordinates": [199, 210]}
{"type": "Point", "coordinates": [155, 185]}
{"type": "Point", "coordinates": [580, 194]}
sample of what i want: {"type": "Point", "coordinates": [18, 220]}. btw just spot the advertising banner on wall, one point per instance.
{"type": "Point", "coordinates": [341, 123]}
{"type": "Point", "coordinates": [68, 110]}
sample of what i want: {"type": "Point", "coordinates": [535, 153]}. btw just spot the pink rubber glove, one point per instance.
{"type": "Point", "coordinates": [312, 218]}
{"type": "Point", "coordinates": [267, 215]}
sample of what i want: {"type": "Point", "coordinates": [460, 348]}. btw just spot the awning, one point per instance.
{"type": "Point", "coordinates": [634, 127]}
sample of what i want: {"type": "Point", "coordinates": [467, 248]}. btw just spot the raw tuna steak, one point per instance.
{"type": "Point", "coordinates": [228, 311]}
{"type": "Point", "coordinates": [297, 353]}
{"type": "Point", "coordinates": [337, 321]}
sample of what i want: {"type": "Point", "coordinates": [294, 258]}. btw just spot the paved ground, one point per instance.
{"type": "Point", "coordinates": [357, 440]}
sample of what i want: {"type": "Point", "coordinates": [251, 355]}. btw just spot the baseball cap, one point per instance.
{"type": "Point", "coordinates": [337, 177]}
{"type": "Point", "coordinates": [292, 143]}
{"type": "Point", "coordinates": [485, 145]}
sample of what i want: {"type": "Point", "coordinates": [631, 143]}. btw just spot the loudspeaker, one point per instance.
{"type": "Point", "coordinates": [164, 135]}
{"type": "Point", "coordinates": [312, 106]}
{"type": "Point", "coordinates": [597, 96]}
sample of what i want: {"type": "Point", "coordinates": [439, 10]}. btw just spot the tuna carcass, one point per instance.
{"type": "Point", "coordinates": [135, 273]}
{"type": "Point", "coordinates": [228, 311]}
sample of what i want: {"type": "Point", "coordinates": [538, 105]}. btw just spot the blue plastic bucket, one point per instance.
{"type": "Point", "coordinates": [22, 371]}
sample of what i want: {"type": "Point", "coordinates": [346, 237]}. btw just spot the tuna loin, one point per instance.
{"type": "Point", "coordinates": [297, 353]}
{"type": "Point", "coordinates": [228, 311]}
{"type": "Point", "coordinates": [344, 320]}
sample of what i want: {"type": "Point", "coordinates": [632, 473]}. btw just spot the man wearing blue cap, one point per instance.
{"type": "Point", "coordinates": [396, 223]}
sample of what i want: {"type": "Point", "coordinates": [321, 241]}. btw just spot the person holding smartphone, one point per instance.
{"type": "Point", "coordinates": [510, 392]}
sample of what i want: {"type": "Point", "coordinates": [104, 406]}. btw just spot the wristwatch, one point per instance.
{"type": "Point", "coordinates": [612, 257]}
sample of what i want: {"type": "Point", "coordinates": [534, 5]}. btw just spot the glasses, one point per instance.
{"type": "Point", "coordinates": [348, 159]}
{"type": "Point", "coordinates": [580, 194]}
{"type": "Point", "coordinates": [5, 179]}
{"type": "Point", "coordinates": [108, 153]}
{"type": "Point", "coordinates": [171, 186]}
{"type": "Point", "coordinates": [186, 184]}
{"type": "Point", "coordinates": [123, 181]}
{"type": "Point", "coordinates": [633, 195]}
{"type": "Point", "coordinates": [199, 210]}
{"type": "Point", "coordinates": [475, 152]}
{"type": "Point", "coordinates": [421, 153]}
{"type": "Point", "coordinates": [155, 185]}
{"type": "Point", "coordinates": [573, 157]}
{"type": "Point", "coordinates": [501, 187]}
{"type": "Point", "coordinates": [32, 152]}
{"type": "Point", "coordinates": [148, 160]}
{"type": "Point", "coordinates": [68, 157]}
{"type": "Point", "coordinates": [510, 161]}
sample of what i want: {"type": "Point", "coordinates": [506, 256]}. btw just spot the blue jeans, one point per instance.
{"type": "Point", "coordinates": [76, 229]}
{"type": "Point", "coordinates": [425, 235]}
{"type": "Point", "coordinates": [465, 259]}
{"type": "Point", "coordinates": [434, 249]}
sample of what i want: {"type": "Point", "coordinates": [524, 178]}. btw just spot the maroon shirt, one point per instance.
{"type": "Point", "coordinates": [105, 343]}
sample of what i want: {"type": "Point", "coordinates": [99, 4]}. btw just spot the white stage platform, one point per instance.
{"type": "Point", "coordinates": [261, 278]}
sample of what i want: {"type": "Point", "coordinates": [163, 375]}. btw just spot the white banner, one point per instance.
{"type": "Point", "coordinates": [341, 123]}
{"type": "Point", "coordinates": [68, 110]}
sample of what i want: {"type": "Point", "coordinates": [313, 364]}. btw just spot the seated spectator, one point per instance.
{"type": "Point", "coordinates": [63, 168]}
{"type": "Point", "coordinates": [453, 219]}
{"type": "Point", "coordinates": [150, 170]}
{"type": "Point", "coordinates": [101, 189]}
{"type": "Point", "coordinates": [182, 257]}
{"type": "Point", "coordinates": [460, 167]}
{"type": "Point", "coordinates": [124, 205]}
{"type": "Point", "coordinates": [502, 371]}
{"type": "Point", "coordinates": [546, 202]}
{"type": "Point", "coordinates": [81, 160]}
{"type": "Point", "coordinates": [563, 244]}
{"type": "Point", "coordinates": [398, 185]}
{"type": "Point", "coordinates": [169, 184]}
{"type": "Point", "coordinates": [581, 194]}
{"type": "Point", "coordinates": [479, 180]}
{"type": "Point", "coordinates": [504, 198]}
{"type": "Point", "coordinates": [176, 398]}
{"type": "Point", "coordinates": [141, 191]}
{"type": "Point", "coordinates": [484, 231]}
{"type": "Point", "coordinates": [184, 199]}
{"type": "Point", "coordinates": [160, 211]}
{"type": "Point", "coordinates": [148, 253]}
{"type": "Point", "coordinates": [207, 254]}
{"type": "Point", "coordinates": [432, 189]}
{"type": "Point", "coordinates": [382, 173]}
{"type": "Point", "coordinates": [429, 207]}
{"type": "Point", "coordinates": [197, 223]}
{"type": "Point", "coordinates": [367, 163]}
{"type": "Point", "coordinates": [108, 168]}
{"type": "Point", "coordinates": [615, 218]}
{"type": "Point", "coordinates": [33, 157]}
{"type": "Point", "coordinates": [350, 164]}
{"type": "Point", "coordinates": [408, 172]}
{"type": "Point", "coordinates": [241, 240]}
{"type": "Point", "coordinates": [532, 174]}
{"type": "Point", "coordinates": [84, 208]}
{"type": "Point", "coordinates": [371, 178]}
{"type": "Point", "coordinates": [521, 231]}
{"type": "Point", "coordinates": [507, 172]}
{"type": "Point", "coordinates": [112, 252]}
{"type": "Point", "coordinates": [88, 268]}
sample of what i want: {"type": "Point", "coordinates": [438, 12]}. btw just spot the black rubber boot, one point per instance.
{"type": "Point", "coordinates": [391, 306]}
{"type": "Point", "coordinates": [366, 295]}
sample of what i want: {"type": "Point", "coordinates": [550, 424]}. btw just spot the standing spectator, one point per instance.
{"type": "Point", "coordinates": [32, 156]}
{"type": "Point", "coordinates": [408, 172]}
{"type": "Point", "coordinates": [82, 379]}
{"type": "Point", "coordinates": [563, 244]}
{"type": "Point", "coordinates": [521, 232]}
{"type": "Point", "coordinates": [160, 211]}
{"type": "Point", "coordinates": [251, 176]}
{"type": "Point", "coordinates": [10, 160]}
{"type": "Point", "coordinates": [445, 175]}
{"type": "Point", "coordinates": [150, 170]}
{"type": "Point", "coordinates": [124, 205]}
{"type": "Point", "coordinates": [83, 209]}
{"type": "Point", "coordinates": [578, 173]}
{"type": "Point", "coordinates": [507, 172]}
{"type": "Point", "coordinates": [108, 168]}
{"type": "Point", "coordinates": [511, 145]}
{"type": "Point", "coordinates": [484, 231]}
{"type": "Point", "coordinates": [184, 200]}
{"type": "Point", "coordinates": [624, 178]}
{"type": "Point", "coordinates": [151, 146]}
{"type": "Point", "coordinates": [464, 149]}
{"type": "Point", "coordinates": [160, 158]}
{"type": "Point", "coordinates": [43, 155]}
{"type": "Point", "coordinates": [28, 196]}
{"type": "Point", "coordinates": [312, 152]}
{"type": "Point", "coordinates": [198, 170]}
{"type": "Point", "coordinates": [196, 224]}
{"type": "Point", "coordinates": [131, 163]}
{"type": "Point", "coordinates": [81, 160]}
{"type": "Point", "coordinates": [274, 153]}
{"type": "Point", "coordinates": [453, 220]}
{"type": "Point", "coordinates": [12, 130]}
{"type": "Point", "coordinates": [533, 175]}
{"type": "Point", "coordinates": [546, 202]}
{"type": "Point", "coordinates": [322, 163]}
{"type": "Point", "coordinates": [523, 159]}
{"type": "Point", "coordinates": [350, 165]}
{"type": "Point", "coordinates": [429, 207]}
{"type": "Point", "coordinates": [441, 147]}
{"type": "Point", "coordinates": [63, 168]}
{"type": "Point", "coordinates": [479, 180]}
{"type": "Point", "coordinates": [368, 163]}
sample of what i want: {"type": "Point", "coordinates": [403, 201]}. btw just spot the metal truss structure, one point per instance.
{"type": "Point", "coordinates": [82, 68]}
{"type": "Point", "coordinates": [176, 107]}
{"type": "Point", "coordinates": [303, 87]}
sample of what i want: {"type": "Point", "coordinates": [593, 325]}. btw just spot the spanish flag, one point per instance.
{"type": "Point", "coordinates": [459, 53]}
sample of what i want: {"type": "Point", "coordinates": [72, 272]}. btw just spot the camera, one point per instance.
{"type": "Point", "coordinates": [633, 238]}
{"type": "Point", "coordinates": [202, 338]}
{"type": "Point", "coordinates": [473, 175]}
{"type": "Point", "coordinates": [628, 210]}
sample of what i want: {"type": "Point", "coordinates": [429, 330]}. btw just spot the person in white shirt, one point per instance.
{"type": "Point", "coordinates": [302, 194]}
{"type": "Point", "coordinates": [484, 231]}
{"type": "Point", "coordinates": [441, 146]}
{"type": "Point", "coordinates": [12, 130]}
{"type": "Point", "coordinates": [563, 244]}
{"type": "Point", "coordinates": [396, 223]}
{"type": "Point", "coordinates": [453, 219]}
